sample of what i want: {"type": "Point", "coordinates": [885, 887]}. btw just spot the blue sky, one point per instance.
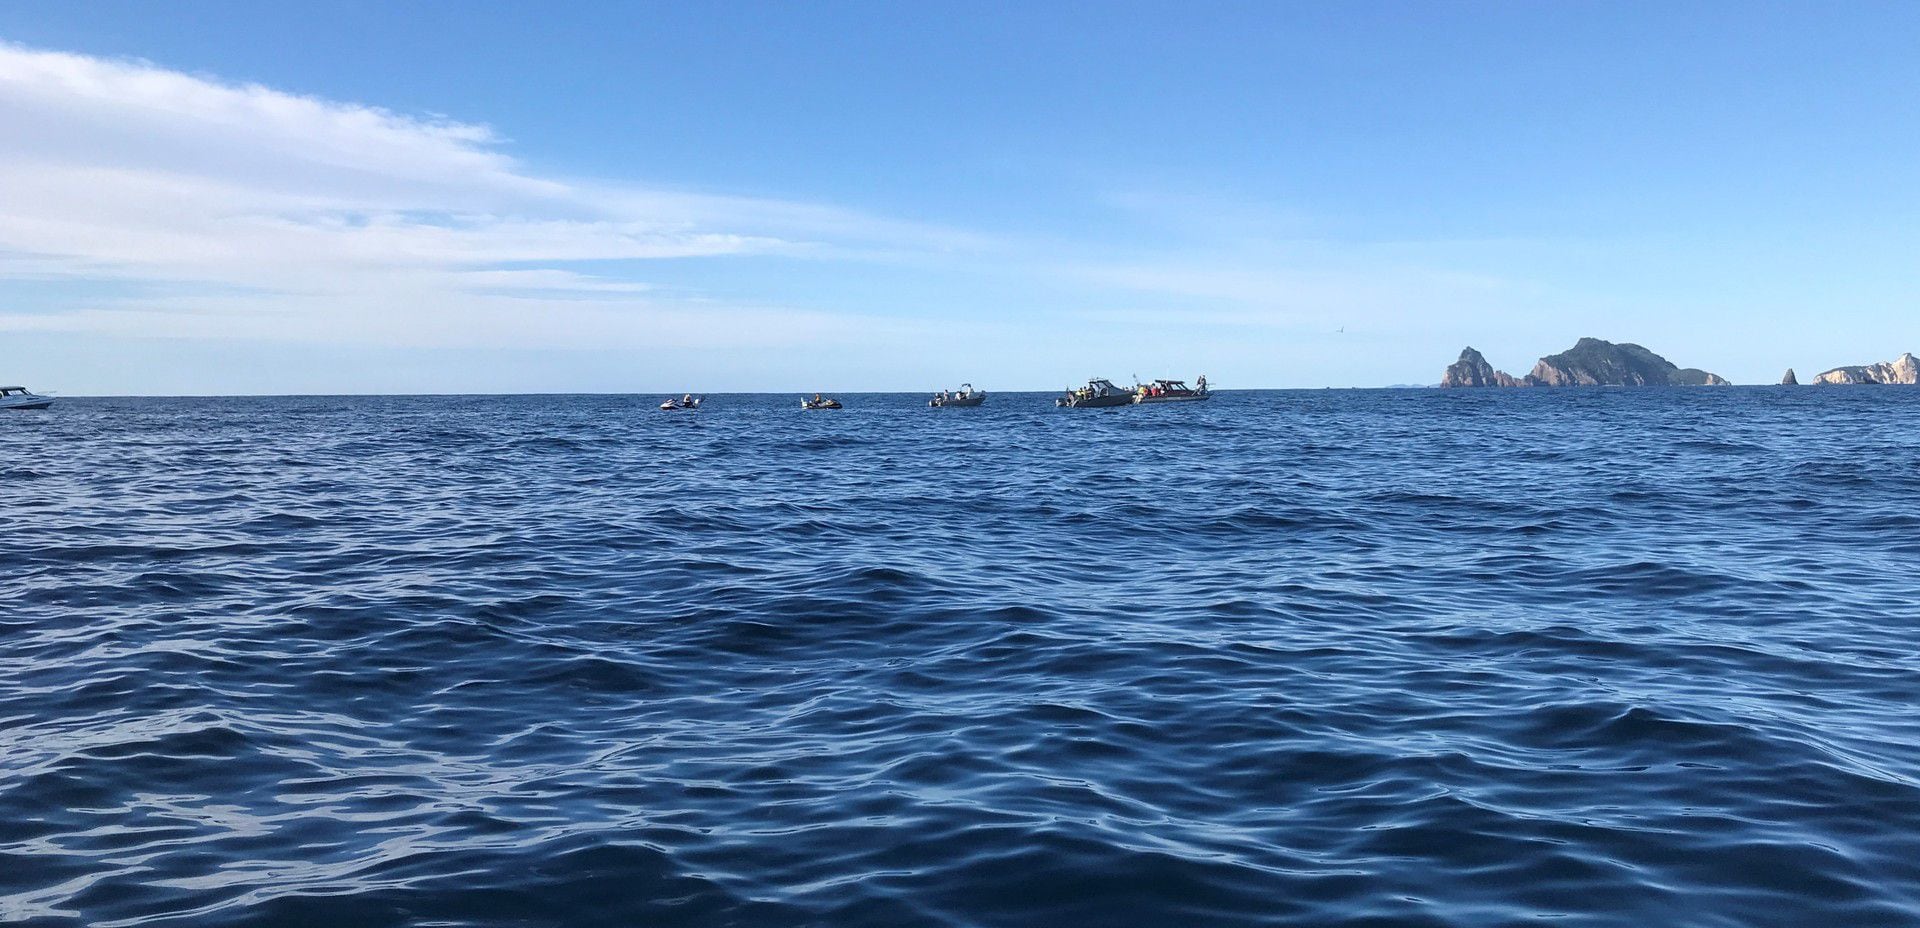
{"type": "Point", "coordinates": [372, 197]}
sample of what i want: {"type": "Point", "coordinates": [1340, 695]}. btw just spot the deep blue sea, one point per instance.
{"type": "Point", "coordinates": [1394, 657]}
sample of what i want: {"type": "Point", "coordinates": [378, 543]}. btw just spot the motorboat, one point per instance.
{"type": "Point", "coordinates": [1098, 393]}
{"type": "Point", "coordinates": [819, 402]}
{"type": "Point", "coordinates": [1171, 391]}
{"type": "Point", "coordinates": [688, 402]}
{"type": "Point", "coordinates": [965, 396]}
{"type": "Point", "coordinates": [22, 398]}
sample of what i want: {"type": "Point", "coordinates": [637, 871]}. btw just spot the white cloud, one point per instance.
{"type": "Point", "coordinates": [351, 223]}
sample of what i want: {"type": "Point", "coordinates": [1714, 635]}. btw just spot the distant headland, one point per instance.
{"type": "Point", "coordinates": [1591, 362]}
{"type": "Point", "coordinates": [1903, 369]}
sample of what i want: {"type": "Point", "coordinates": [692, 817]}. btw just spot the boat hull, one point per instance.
{"type": "Point", "coordinates": [1194, 398]}
{"type": "Point", "coordinates": [967, 402]}
{"type": "Point", "coordinates": [1095, 402]}
{"type": "Point", "coordinates": [27, 404]}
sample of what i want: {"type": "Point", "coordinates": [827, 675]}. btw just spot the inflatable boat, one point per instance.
{"type": "Point", "coordinates": [965, 396]}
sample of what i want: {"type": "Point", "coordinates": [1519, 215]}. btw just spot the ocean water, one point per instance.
{"type": "Point", "coordinates": [1404, 657]}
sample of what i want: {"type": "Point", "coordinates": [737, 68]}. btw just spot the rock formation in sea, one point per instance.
{"type": "Point", "coordinates": [1789, 380]}
{"type": "Point", "coordinates": [1902, 370]}
{"type": "Point", "coordinates": [1472, 370]}
{"type": "Point", "coordinates": [1593, 363]}
{"type": "Point", "coordinates": [1589, 363]}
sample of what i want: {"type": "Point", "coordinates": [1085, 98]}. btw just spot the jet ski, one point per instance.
{"type": "Point", "coordinates": [686, 402]}
{"type": "Point", "coordinates": [965, 396]}
{"type": "Point", "coordinates": [819, 402]}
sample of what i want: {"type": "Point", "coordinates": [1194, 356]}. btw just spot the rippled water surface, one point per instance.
{"type": "Point", "coordinates": [1604, 657]}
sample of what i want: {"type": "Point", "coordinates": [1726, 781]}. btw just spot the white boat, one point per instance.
{"type": "Point", "coordinates": [22, 398]}
{"type": "Point", "coordinates": [965, 396]}
{"type": "Point", "coordinates": [1171, 391]}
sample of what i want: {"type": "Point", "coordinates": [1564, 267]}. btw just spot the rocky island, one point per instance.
{"type": "Point", "coordinates": [1472, 370]}
{"type": "Point", "coordinates": [1591, 362]}
{"type": "Point", "coordinates": [1903, 370]}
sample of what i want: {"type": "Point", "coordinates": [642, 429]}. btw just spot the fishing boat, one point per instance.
{"type": "Point", "coordinates": [688, 402]}
{"type": "Point", "coordinates": [965, 396]}
{"type": "Point", "coordinates": [819, 402]}
{"type": "Point", "coordinates": [1098, 393]}
{"type": "Point", "coordinates": [22, 398]}
{"type": "Point", "coordinates": [1171, 391]}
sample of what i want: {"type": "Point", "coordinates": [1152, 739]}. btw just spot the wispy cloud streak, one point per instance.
{"type": "Point", "coordinates": [349, 222]}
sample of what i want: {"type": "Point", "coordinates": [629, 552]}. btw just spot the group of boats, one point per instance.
{"type": "Point", "coordinates": [1101, 392]}
{"type": "Point", "coordinates": [1098, 393]}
